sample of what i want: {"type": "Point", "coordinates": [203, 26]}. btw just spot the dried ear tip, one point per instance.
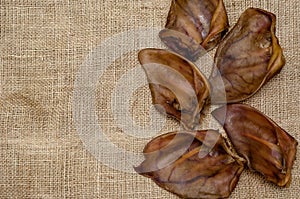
{"type": "Point", "coordinates": [181, 44]}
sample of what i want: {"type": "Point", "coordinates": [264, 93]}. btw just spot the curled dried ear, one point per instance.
{"type": "Point", "coordinates": [177, 87]}
{"type": "Point", "coordinates": [267, 148]}
{"type": "Point", "coordinates": [194, 25]}
{"type": "Point", "coordinates": [191, 164]}
{"type": "Point", "coordinates": [247, 58]}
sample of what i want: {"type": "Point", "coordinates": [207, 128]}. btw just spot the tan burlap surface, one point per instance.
{"type": "Point", "coordinates": [43, 45]}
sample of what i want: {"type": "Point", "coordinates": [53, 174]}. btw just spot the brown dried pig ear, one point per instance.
{"type": "Point", "coordinates": [247, 58]}
{"type": "Point", "coordinates": [193, 26]}
{"type": "Point", "coordinates": [267, 148]}
{"type": "Point", "coordinates": [192, 164]}
{"type": "Point", "coordinates": [177, 87]}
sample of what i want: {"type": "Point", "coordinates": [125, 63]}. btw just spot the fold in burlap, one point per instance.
{"type": "Point", "coordinates": [43, 45]}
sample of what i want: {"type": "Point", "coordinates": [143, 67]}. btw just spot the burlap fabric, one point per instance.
{"type": "Point", "coordinates": [43, 47]}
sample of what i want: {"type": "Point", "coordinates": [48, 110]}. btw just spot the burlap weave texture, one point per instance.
{"type": "Point", "coordinates": [42, 47]}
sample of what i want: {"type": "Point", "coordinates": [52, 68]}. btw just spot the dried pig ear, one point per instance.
{"type": "Point", "coordinates": [177, 86]}
{"type": "Point", "coordinates": [247, 58]}
{"type": "Point", "coordinates": [172, 161]}
{"type": "Point", "coordinates": [194, 25]}
{"type": "Point", "coordinates": [267, 148]}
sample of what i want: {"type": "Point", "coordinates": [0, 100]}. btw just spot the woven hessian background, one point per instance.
{"type": "Point", "coordinates": [43, 45]}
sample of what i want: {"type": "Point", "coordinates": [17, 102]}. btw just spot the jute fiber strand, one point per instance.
{"type": "Point", "coordinates": [43, 45]}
